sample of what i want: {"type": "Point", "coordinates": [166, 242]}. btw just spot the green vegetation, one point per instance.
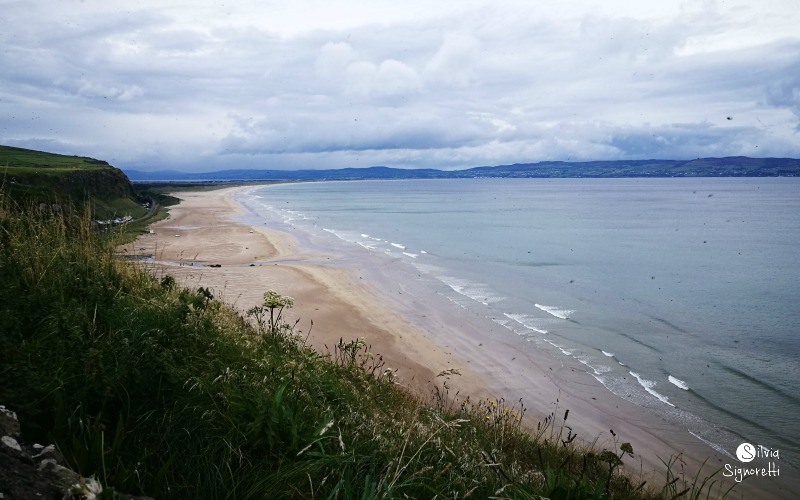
{"type": "Point", "coordinates": [53, 164]}
{"type": "Point", "coordinates": [164, 391]}
{"type": "Point", "coordinates": [39, 179]}
{"type": "Point", "coordinates": [51, 182]}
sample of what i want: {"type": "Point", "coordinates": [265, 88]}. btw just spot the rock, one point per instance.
{"type": "Point", "coordinates": [68, 480]}
{"type": "Point", "coordinates": [9, 425]}
{"type": "Point", "coordinates": [33, 471]}
{"type": "Point", "coordinates": [21, 479]}
{"type": "Point", "coordinates": [11, 443]}
{"type": "Point", "coordinates": [49, 452]}
{"type": "Point", "coordinates": [48, 463]}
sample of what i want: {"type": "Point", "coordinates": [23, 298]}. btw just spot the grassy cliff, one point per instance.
{"type": "Point", "coordinates": [36, 178]}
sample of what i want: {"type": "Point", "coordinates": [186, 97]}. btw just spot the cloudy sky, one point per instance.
{"type": "Point", "coordinates": [201, 85]}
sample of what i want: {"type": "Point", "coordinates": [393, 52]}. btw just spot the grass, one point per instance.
{"type": "Point", "coordinates": [165, 391]}
{"type": "Point", "coordinates": [45, 179]}
{"type": "Point", "coordinates": [27, 160]}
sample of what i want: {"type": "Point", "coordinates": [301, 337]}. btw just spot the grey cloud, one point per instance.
{"type": "Point", "coordinates": [376, 130]}
{"type": "Point", "coordinates": [783, 91]}
{"type": "Point", "coordinates": [454, 61]}
{"type": "Point", "coordinates": [685, 141]}
{"type": "Point", "coordinates": [496, 84]}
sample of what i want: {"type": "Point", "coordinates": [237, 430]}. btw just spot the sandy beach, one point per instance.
{"type": "Point", "coordinates": [414, 336]}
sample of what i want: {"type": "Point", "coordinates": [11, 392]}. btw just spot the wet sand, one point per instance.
{"type": "Point", "coordinates": [416, 335]}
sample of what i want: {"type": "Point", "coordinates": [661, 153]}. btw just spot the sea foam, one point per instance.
{"type": "Point", "coordinates": [648, 386]}
{"type": "Point", "coordinates": [678, 383]}
{"type": "Point", "coordinates": [529, 322]}
{"type": "Point", "coordinates": [555, 311]}
{"type": "Point", "coordinates": [587, 361]}
{"type": "Point", "coordinates": [477, 292]}
{"type": "Point", "coordinates": [713, 445]}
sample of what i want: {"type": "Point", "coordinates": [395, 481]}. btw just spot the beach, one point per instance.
{"type": "Point", "coordinates": [425, 346]}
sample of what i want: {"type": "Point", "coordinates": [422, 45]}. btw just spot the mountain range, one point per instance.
{"type": "Point", "coordinates": [736, 166]}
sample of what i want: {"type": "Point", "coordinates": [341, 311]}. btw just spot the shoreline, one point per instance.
{"type": "Point", "coordinates": [201, 230]}
{"type": "Point", "coordinates": [206, 228]}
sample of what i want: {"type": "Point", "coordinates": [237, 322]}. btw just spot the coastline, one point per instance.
{"type": "Point", "coordinates": [202, 230]}
{"type": "Point", "coordinates": [206, 229]}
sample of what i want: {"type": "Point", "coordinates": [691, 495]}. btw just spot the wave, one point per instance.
{"type": "Point", "coordinates": [555, 311]}
{"type": "Point", "coordinates": [586, 360]}
{"type": "Point", "coordinates": [529, 322]}
{"type": "Point", "coordinates": [637, 341]}
{"type": "Point", "coordinates": [789, 398]}
{"type": "Point", "coordinates": [712, 445]}
{"type": "Point", "coordinates": [357, 238]}
{"type": "Point", "coordinates": [373, 243]}
{"type": "Point", "coordinates": [333, 232]}
{"type": "Point", "coordinates": [475, 291]}
{"type": "Point", "coordinates": [564, 350]}
{"type": "Point", "coordinates": [533, 324]}
{"type": "Point", "coordinates": [669, 324]}
{"type": "Point", "coordinates": [678, 383]}
{"type": "Point", "coordinates": [648, 386]}
{"type": "Point", "coordinates": [697, 426]}
{"type": "Point", "coordinates": [739, 416]}
{"type": "Point", "coordinates": [613, 356]}
{"type": "Point", "coordinates": [290, 216]}
{"type": "Point", "coordinates": [348, 237]}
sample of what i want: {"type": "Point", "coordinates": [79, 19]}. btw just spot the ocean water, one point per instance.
{"type": "Point", "coordinates": [681, 295]}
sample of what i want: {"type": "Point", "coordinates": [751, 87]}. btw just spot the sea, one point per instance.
{"type": "Point", "coordinates": [679, 294]}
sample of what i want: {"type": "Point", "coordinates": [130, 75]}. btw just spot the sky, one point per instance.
{"type": "Point", "coordinates": [201, 85]}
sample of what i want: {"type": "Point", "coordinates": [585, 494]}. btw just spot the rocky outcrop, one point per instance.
{"type": "Point", "coordinates": [34, 471]}
{"type": "Point", "coordinates": [107, 183]}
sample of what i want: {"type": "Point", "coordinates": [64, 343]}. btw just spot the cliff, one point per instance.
{"type": "Point", "coordinates": [34, 178]}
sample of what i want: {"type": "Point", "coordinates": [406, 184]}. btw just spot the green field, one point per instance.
{"type": "Point", "coordinates": [30, 161]}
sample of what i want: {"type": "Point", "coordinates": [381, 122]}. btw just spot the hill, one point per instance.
{"type": "Point", "coordinates": [737, 166]}
{"type": "Point", "coordinates": [35, 178]}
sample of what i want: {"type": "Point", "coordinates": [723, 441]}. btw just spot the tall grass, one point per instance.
{"type": "Point", "coordinates": [164, 391]}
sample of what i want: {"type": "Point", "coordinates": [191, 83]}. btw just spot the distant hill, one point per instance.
{"type": "Point", "coordinates": [35, 178]}
{"type": "Point", "coordinates": [736, 166]}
